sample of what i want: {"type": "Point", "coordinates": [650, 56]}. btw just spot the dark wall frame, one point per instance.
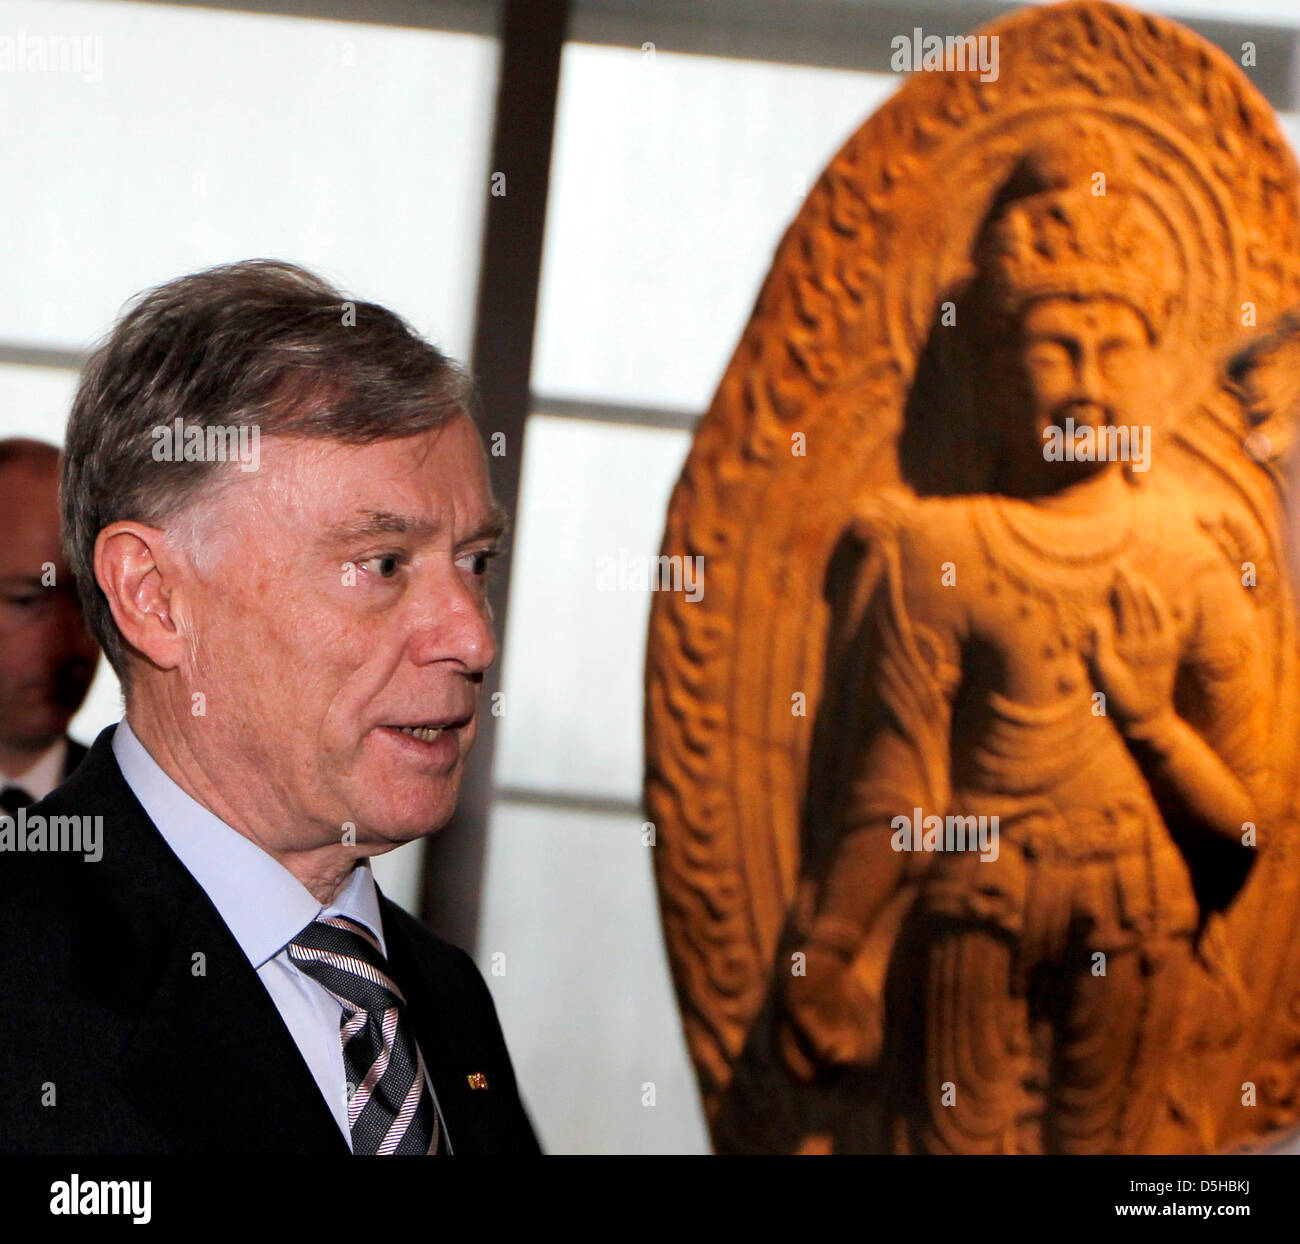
{"type": "Point", "coordinates": [531, 41]}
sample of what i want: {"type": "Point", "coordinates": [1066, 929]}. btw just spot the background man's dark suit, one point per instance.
{"type": "Point", "coordinates": [15, 795]}
{"type": "Point", "coordinates": [145, 1056]}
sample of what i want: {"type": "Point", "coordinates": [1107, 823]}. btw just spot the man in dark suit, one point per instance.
{"type": "Point", "coordinates": [277, 504]}
{"type": "Point", "coordinates": [47, 657]}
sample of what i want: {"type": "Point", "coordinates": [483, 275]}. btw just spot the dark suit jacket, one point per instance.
{"type": "Point", "coordinates": [104, 1014]}
{"type": "Point", "coordinates": [75, 754]}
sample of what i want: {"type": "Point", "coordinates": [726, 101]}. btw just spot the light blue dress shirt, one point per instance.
{"type": "Point", "coordinates": [265, 907]}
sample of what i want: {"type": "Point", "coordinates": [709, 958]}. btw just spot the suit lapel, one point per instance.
{"type": "Point", "coordinates": [444, 1046]}
{"type": "Point", "coordinates": [209, 1061]}
{"type": "Point", "coordinates": [75, 754]}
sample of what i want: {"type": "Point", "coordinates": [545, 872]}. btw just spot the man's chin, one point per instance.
{"type": "Point", "coordinates": [399, 798]}
{"type": "Point", "coordinates": [396, 824]}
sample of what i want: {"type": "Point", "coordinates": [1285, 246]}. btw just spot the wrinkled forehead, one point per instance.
{"type": "Point", "coordinates": [437, 478]}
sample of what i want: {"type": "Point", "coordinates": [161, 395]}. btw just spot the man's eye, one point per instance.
{"type": "Point", "coordinates": [480, 561]}
{"type": "Point", "coordinates": [386, 564]}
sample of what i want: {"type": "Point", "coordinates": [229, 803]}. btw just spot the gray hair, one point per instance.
{"type": "Point", "coordinates": [258, 345]}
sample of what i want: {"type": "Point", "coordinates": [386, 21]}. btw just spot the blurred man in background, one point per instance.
{"type": "Point", "coordinates": [47, 657]}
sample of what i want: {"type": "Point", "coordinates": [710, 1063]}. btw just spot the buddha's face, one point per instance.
{"type": "Point", "coordinates": [1082, 363]}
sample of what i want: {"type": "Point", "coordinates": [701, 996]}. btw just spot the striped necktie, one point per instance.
{"type": "Point", "coordinates": [390, 1109]}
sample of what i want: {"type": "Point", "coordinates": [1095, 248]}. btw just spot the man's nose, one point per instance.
{"type": "Point", "coordinates": [455, 624]}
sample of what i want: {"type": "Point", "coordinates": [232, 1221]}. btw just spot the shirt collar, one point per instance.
{"type": "Point", "coordinates": [45, 774]}
{"type": "Point", "coordinates": [262, 903]}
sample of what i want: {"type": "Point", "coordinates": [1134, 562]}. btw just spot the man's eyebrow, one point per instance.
{"type": "Point", "coordinates": [495, 524]}
{"type": "Point", "coordinates": [368, 523]}
{"type": "Point", "coordinates": [375, 523]}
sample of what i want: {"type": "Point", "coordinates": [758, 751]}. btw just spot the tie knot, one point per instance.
{"type": "Point", "coordinates": [344, 956]}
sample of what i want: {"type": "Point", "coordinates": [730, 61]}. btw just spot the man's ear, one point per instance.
{"type": "Point", "coordinates": [141, 573]}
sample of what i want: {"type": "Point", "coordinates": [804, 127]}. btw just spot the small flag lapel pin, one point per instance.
{"type": "Point", "coordinates": [477, 1080]}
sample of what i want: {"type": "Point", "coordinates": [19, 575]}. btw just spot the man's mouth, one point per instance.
{"type": "Point", "coordinates": [429, 731]}
{"type": "Point", "coordinates": [425, 733]}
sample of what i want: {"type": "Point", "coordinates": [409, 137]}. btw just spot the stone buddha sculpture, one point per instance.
{"type": "Point", "coordinates": [973, 766]}
{"type": "Point", "coordinates": [1092, 684]}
